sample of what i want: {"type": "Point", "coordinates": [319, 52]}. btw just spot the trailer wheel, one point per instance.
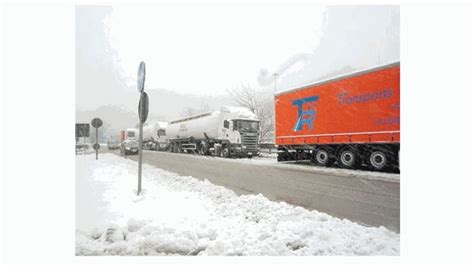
{"type": "Point", "coordinates": [378, 159]}
{"type": "Point", "coordinates": [321, 157]}
{"type": "Point", "coordinates": [348, 158]}
{"type": "Point", "coordinates": [178, 148]}
{"type": "Point", "coordinates": [203, 148]}
{"type": "Point", "coordinates": [175, 148]}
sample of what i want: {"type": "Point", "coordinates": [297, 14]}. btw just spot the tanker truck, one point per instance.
{"type": "Point", "coordinates": [227, 132]}
{"type": "Point", "coordinates": [349, 120]}
{"type": "Point", "coordinates": [154, 136]}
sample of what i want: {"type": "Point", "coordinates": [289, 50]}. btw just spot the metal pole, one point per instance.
{"type": "Point", "coordinates": [96, 141]}
{"type": "Point", "coordinates": [140, 138]}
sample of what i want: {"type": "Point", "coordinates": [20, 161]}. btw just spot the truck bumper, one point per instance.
{"type": "Point", "coordinates": [237, 150]}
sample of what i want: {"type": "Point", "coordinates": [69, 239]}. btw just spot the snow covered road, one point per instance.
{"type": "Point", "coordinates": [179, 215]}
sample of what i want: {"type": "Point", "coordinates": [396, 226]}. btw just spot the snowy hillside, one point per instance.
{"type": "Point", "coordinates": [185, 216]}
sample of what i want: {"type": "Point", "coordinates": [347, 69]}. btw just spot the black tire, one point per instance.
{"type": "Point", "coordinates": [379, 159]}
{"type": "Point", "coordinates": [201, 150]}
{"type": "Point", "coordinates": [322, 157]}
{"type": "Point", "coordinates": [225, 152]}
{"type": "Point", "coordinates": [348, 158]}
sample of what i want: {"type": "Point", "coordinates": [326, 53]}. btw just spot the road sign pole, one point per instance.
{"type": "Point", "coordinates": [140, 140]}
{"type": "Point", "coordinates": [96, 141]}
{"type": "Point", "coordinates": [96, 123]}
{"type": "Point", "coordinates": [142, 115]}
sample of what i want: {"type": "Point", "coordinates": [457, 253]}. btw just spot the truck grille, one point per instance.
{"type": "Point", "coordinates": [249, 141]}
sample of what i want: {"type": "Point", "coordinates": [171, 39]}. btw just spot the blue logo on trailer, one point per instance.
{"type": "Point", "coordinates": [305, 116]}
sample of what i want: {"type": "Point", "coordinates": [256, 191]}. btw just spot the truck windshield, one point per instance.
{"type": "Point", "coordinates": [161, 132]}
{"type": "Point", "coordinates": [247, 126]}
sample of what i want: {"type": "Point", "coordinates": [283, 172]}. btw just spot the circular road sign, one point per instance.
{"type": "Point", "coordinates": [143, 107]}
{"type": "Point", "coordinates": [141, 77]}
{"type": "Point", "coordinates": [96, 122]}
{"type": "Point", "coordinates": [96, 146]}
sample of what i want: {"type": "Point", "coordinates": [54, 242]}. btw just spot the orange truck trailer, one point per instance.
{"type": "Point", "coordinates": [352, 120]}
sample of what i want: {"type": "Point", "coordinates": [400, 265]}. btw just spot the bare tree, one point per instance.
{"type": "Point", "coordinates": [260, 103]}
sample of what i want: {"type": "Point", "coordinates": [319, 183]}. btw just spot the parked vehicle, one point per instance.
{"type": "Point", "coordinates": [352, 120]}
{"type": "Point", "coordinates": [111, 145]}
{"type": "Point", "coordinates": [129, 147]}
{"type": "Point", "coordinates": [230, 131]}
{"type": "Point", "coordinates": [154, 136]}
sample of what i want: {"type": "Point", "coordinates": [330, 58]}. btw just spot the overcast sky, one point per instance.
{"type": "Point", "coordinates": [208, 49]}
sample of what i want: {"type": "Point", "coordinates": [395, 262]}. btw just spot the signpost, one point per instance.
{"type": "Point", "coordinates": [82, 130]}
{"type": "Point", "coordinates": [142, 115]}
{"type": "Point", "coordinates": [96, 123]}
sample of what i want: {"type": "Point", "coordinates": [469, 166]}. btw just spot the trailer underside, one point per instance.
{"type": "Point", "coordinates": [383, 156]}
{"type": "Point", "coordinates": [214, 147]}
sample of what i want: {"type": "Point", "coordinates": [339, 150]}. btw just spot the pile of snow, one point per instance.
{"type": "Point", "coordinates": [240, 112]}
{"type": "Point", "coordinates": [178, 215]}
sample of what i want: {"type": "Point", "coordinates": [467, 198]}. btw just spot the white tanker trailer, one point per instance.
{"type": "Point", "coordinates": [230, 131]}
{"type": "Point", "coordinates": [154, 136]}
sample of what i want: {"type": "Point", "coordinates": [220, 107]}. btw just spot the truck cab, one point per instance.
{"type": "Point", "coordinates": [242, 135]}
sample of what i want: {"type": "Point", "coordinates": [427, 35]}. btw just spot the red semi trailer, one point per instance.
{"type": "Point", "coordinates": [351, 119]}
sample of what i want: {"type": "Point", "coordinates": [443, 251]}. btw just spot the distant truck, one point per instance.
{"type": "Point", "coordinates": [228, 132]}
{"type": "Point", "coordinates": [351, 119]}
{"type": "Point", "coordinates": [129, 134]}
{"type": "Point", "coordinates": [154, 136]}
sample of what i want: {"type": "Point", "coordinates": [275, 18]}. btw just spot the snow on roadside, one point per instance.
{"type": "Point", "coordinates": [179, 215]}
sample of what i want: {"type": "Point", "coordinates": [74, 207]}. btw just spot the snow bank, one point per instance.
{"type": "Point", "coordinates": [178, 215]}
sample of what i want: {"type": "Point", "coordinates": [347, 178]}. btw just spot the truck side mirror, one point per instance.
{"type": "Point", "coordinates": [226, 124]}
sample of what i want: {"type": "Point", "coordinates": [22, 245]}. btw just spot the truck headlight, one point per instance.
{"type": "Point", "coordinates": [244, 146]}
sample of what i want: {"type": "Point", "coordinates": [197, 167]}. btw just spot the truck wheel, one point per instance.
{"type": "Point", "coordinates": [203, 149]}
{"type": "Point", "coordinates": [321, 157]}
{"type": "Point", "coordinates": [378, 159]}
{"type": "Point", "coordinates": [348, 158]}
{"type": "Point", "coordinates": [225, 152]}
